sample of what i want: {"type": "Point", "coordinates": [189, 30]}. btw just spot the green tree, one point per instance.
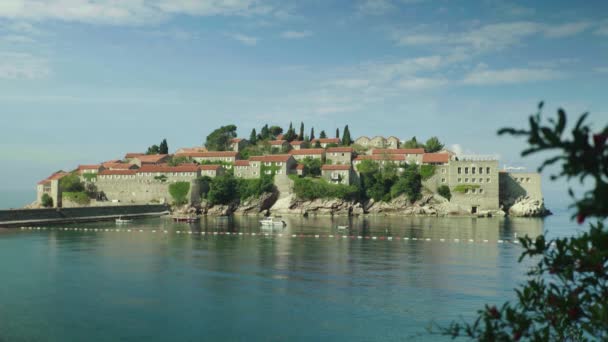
{"type": "Point", "coordinates": [222, 190]}
{"type": "Point", "coordinates": [323, 135]}
{"type": "Point", "coordinates": [412, 143]}
{"type": "Point", "coordinates": [444, 191]}
{"type": "Point", "coordinates": [565, 297]}
{"type": "Point", "coordinates": [301, 135]}
{"type": "Point", "coordinates": [317, 144]}
{"type": "Point", "coordinates": [337, 133]}
{"type": "Point", "coordinates": [290, 135]}
{"type": "Point", "coordinates": [433, 145]}
{"type": "Point", "coordinates": [154, 149]}
{"type": "Point", "coordinates": [179, 192]}
{"type": "Point", "coordinates": [163, 148]}
{"type": "Point", "coordinates": [219, 139]}
{"type": "Point", "coordinates": [312, 166]}
{"type": "Point", "coordinates": [253, 137]}
{"type": "Point", "coordinates": [46, 201]}
{"type": "Point", "coordinates": [275, 131]}
{"type": "Point", "coordinates": [312, 134]}
{"type": "Point", "coordinates": [265, 132]}
{"type": "Point", "coordinates": [71, 183]}
{"type": "Point", "coordinates": [346, 139]}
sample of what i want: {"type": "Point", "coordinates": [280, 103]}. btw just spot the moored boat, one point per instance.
{"type": "Point", "coordinates": [120, 220]}
{"type": "Point", "coordinates": [186, 218]}
{"type": "Point", "coordinates": [272, 222]}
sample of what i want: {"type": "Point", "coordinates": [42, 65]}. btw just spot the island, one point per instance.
{"type": "Point", "coordinates": [281, 173]}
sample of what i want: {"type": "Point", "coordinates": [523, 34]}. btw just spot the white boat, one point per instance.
{"type": "Point", "coordinates": [272, 222]}
{"type": "Point", "coordinates": [342, 227]}
{"type": "Point", "coordinates": [120, 220]}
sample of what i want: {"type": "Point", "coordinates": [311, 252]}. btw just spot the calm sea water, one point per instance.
{"type": "Point", "coordinates": [61, 285]}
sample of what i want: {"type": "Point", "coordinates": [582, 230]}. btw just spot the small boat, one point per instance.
{"type": "Point", "coordinates": [120, 220]}
{"type": "Point", "coordinates": [272, 222]}
{"type": "Point", "coordinates": [342, 227]}
{"type": "Point", "coordinates": [186, 218]}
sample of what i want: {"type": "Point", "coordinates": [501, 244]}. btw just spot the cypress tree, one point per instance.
{"type": "Point", "coordinates": [163, 148]}
{"type": "Point", "coordinates": [323, 135]}
{"type": "Point", "coordinates": [312, 133]}
{"type": "Point", "coordinates": [253, 137]}
{"type": "Point", "coordinates": [265, 133]}
{"type": "Point", "coordinates": [337, 133]}
{"type": "Point", "coordinates": [346, 139]}
{"type": "Point", "coordinates": [301, 136]}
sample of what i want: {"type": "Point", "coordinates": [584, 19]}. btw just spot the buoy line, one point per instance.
{"type": "Point", "coordinates": [274, 235]}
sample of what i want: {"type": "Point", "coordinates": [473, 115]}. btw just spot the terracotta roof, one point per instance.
{"type": "Point", "coordinates": [214, 154]}
{"type": "Point", "coordinates": [277, 142]}
{"type": "Point", "coordinates": [296, 142]}
{"type": "Point", "coordinates": [119, 166]}
{"type": "Point", "coordinates": [271, 158]}
{"type": "Point", "coordinates": [133, 155]}
{"type": "Point", "coordinates": [280, 137]}
{"type": "Point", "coordinates": [191, 149]}
{"type": "Point", "coordinates": [164, 168]}
{"type": "Point", "coordinates": [55, 176]}
{"type": "Point", "coordinates": [300, 167]}
{"type": "Point", "coordinates": [307, 151]}
{"type": "Point", "coordinates": [117, 172]}
{"type": "Point", "coordinates": [210, 167]}
{"type": "Point", "coordinates": [435, 158]}
{"type": "Point", "coordinates": [152, 158]}
{"type": "Point", "coordinates": [335, 167]}
{"type": "Point", "coordinates": [236, 140]}
{"type": "Point", "coordinates": [398, 151]}
{"type": "Point", "coordinates": [340, 149]}
{"type": "Point", "coordinates": [327, 140]}
{"type": "Point", "coordinates": [397, 157]}
{"type": "Point", "coordinates": [89, 167]}
{"type": "Point", "coordinates": [241, 163]}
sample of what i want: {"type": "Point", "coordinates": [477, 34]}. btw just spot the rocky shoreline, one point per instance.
{"type": "Point", "coordinates": [428, 205]}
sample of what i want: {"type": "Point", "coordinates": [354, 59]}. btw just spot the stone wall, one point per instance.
{"type": "Point", "coordinates": [486, 182]}
{"type": "Point", "coordinates": [519, 184]}
{"type": "Point", "coordinates": [140, 190]}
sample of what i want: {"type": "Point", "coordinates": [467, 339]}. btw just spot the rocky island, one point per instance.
{"type": "Point", "coordinates": [284, 173]}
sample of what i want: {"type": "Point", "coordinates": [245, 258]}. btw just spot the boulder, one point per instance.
{"type": "Point", "coordinates": [527, 206]}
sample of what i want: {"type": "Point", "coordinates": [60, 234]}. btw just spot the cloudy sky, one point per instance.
{"type": "Point", "coordinates": [83, 81]}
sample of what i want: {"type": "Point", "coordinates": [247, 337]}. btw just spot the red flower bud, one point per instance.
{"type": "Point", "coordinates": [552, 300]}
{"type": "Point", "coordinates": [493, 312]}
{"type": "Point", "coordinates": [574, 313]}
{"type": "Point", "coordinates": [599, 140]}
{"type": "Point", "coordinates": [580, 218]}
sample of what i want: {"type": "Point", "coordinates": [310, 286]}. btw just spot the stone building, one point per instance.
{"type": "Point", "coordinates": [214, 156]}
{"type": "Point", "coordinates": [515, 185]}
{"type": "Point", "coordinates": [191, 150]}
{"type": "Point", "coordinates": [300, 170]}
{"type": "Point", "coordinates": [90, 169]}
{"type": "Point", "coordinates": [119, 166]}
{"type": "Point", "coordinates": [276, 164]}
{"type": "Point", "coordinates": [132, 155]}
{"type": "Point", "coordinates": [149, 159]}
{"type": "Point", "coordinates": [378, 142]}
{"type": "Point", "coordinates": [339, 155]}
{"type": "Point", "coordinates": [247, 169]}
{"type": "Point", "coordinates": [50, 186]}
{"type": "Point", "coordinates": [473, 182]}
{"type": "Point", "coordinates": [297, 144]}
{"type": "Point", "coordinates": [279, 145]}
{"type": "Point", "coordinates": [211, 170]}
{"type": "Point", "coordinates": [381, 159]}
{"type": "Point", "coordinates": [338, 174]}
{"type": "Point", "coordinates": [362, 141]}
{"type": "Point", "coordinates": [238, 144]}
{"type": "Point", "coordinates": [325, 141]}
{"type": "Point", "coordinates": [410, 155]}
{"type": "Point", "coordinates": [392, 142]}
{"type": "Point", "coordinates": [315, 153]}
{"type": "Point", "coordinates": [435, 158]}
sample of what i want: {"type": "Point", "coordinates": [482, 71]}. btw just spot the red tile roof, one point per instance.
{"type": "Point", "coordinates": [300, 167]}
{"type": "Point", "coordinates": [335, 167]}
{"type": "Point", "coordinates": [210, 167]}
{"type": "Point", "coordinates": [327, 140]}
{"type": "Point", "coordinates": [307, 151]}
{"type": "Point", "coordinates": [296, 142]}
{"type": "Point", "coordinates": [277, 142]}
{"type": "Point", "coordinates": [271, 158]}
{"type": "Point", "coordinates": [398, 151]}
{"type": "Point", "coordinates": [133, 155]}
{"type": "Point", "coordinates": [55, 176]}
{"type": "Point", "coordinates": [396, 157]}
{"type": "Point", "coordinates": [280, 137]}
{"type": "Point", "coordinates": [119, 166]}
{"type": "Point", "coordinates": [89, 167]}
{"type": "Point", "coordinates": [117, 172]}
{"type": "Point", "coordinates": [435, 158]}
{"type": "Point", "coordinates": [164, 168]}
{"type": "Point", "coordinates": [340, 149]}
{"type": "Point", "coordinates": [152, 158]}
{"type": "Point", "coordinates": [191, 149]}
{"type": "Point", "coordinates": [214, 154]}
{"type": "Point", "coordinates": [241, 163]}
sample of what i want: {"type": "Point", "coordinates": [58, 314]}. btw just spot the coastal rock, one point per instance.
{"type": "Point", "coordinates": [256, 205]}
{"type": "Point", "coordinates": [427, 205]}
{"type": "Point", "coordinates": [526, 206]}
{"type": "Point", "coordinates": [290, 205]}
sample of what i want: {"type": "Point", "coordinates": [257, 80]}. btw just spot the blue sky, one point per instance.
{"type": "Point", "coordinates": [83, 81]}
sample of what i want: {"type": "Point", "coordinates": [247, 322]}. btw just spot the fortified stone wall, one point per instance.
{"type": "Point", "coordinates": [479, 175]}
{"type": "Point", "coordinates": [139, 190]}
{"type": "Point", "coordinates": [519, 184]}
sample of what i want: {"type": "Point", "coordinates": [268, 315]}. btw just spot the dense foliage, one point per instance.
{"type": "Point", "coordinates": [71, 183]}
{"type": "Point", "coordinates": [566, 295]}
{"type": "Point", "coordinates": [427, 171]}
{"type": "Point", "coordinates": [226, 189]}
{"type": "Point", "coordinates": [46, 201]}
{"type": "Point", "coordinates": [312, 166]}
{"type": "Point", "coordinates": [433, 145]}
{"type": "Point", "coordinates": [219, 139]}
{"type": "Point", "coordinates": [387, 182]}
{"type": "Point", "coordinates": [178, 160]}
{"type": "Point", "coordinates": [445, 192]}
{"type": "Point", "coordinates": [78, 197]}
{"type": "Point", "coordinates": [163, 148]}
{"type": "Point", "coordinates": [179, 192]}
{"type": "Point", "coordinates": [463, 188]}
{"type": "Point", "coordinates": [346, 139]}
{"type": "Point", "coordinates": [412, 143]}
{"type": "Point", "coordinates": [310, 189]}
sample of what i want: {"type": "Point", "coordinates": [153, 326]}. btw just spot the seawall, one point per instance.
{"type": "Point", "coordinates": [21, 217]}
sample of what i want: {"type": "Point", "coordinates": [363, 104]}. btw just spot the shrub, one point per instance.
{"type": "Point", "coordinates": [247, 188]}
{"type": "Point", "coordinates": [71, 183]}
{"type": "Point", "coordinates": [222, 190]}
{"type": "Point", "coordinates": [89, 176]}
{"type": "Point", "coordinates": [410, 184]}
{"type": "Point", "coordinates": [79, 197]}
{"type": "Point", "coordinates": [46, 201]}
{"type": "Point", "coordinates": [161, 178]}
{"type": "Point", "coordinates": [179, 192]}
{"type": "Point", "coordinates": [310, 189]}
{"type": "Point", "coordinates": [427, 171]}
{"type": "Point", "coordinates": [312, 166]}
{"type": "Point", "coordinates": [462, 188]}
{"type": "Point", "coordinates": [444, 191]}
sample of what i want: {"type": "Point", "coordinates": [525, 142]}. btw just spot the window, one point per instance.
{"type": "Point", "coordinates": [279, 172]}
{"type": "Point", "coordinates": [487, 180]}
{"type": "Point", "coordinates": [473, 191]}
{"type": "Point", "coordinates": [443, 170]}
{"type": "Point", "coordinates": [480, 191]}
{"type": "Point", "coordinates": [466, 170]}
{"type": "Point", "coordinates": [466, 191]}
{"type": "Point", "coordinates": [442, 180]}
{"type": "Point", "coordinates": [481, 170]}
{"type": "Point", "coordinates": [472, 180]}
{"type": "Point", "coordinates": [480, 180]}
{"type": "Point", "coordinates": [466, 180]}
{"type": "Point", "coordinates": [487, 170]}
{"type": "Point", "coordinates": [459, 170]}
{"type": "Point", "coordinates": [473, 170]}
{"type": "Point", "coordinates": [267, 172]}
{"type": "Point", "coordinates": [459, 180]}
{"type": "Point", "coordinates": [528, 180]}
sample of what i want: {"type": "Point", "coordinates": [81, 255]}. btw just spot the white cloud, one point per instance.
{"type": "Point", "coordinates": [566, 30]}
{"type": "Point", "coordinates": [602, 29]}
{"type": "Point", "coordinates": [14, 65]}
{"type": "Point", "coordinates": [128, 11]}
{"type": "Point", "coordinates": [603, 70]}
{"type": "Point", "coordinates": [247, 40]}
{"type": "Point", "coordinates": [483, 76]}
{"type": "Point", "coordinates": [296, 34]}
{"type": "Point", "coordinates": [422, 83]}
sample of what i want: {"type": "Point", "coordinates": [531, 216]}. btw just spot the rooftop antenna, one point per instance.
{"type": "Point", "coordinates": [513, 168]}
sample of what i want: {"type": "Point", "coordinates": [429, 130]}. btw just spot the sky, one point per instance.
{"type": "Point", "coordinates": [83, 81]}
